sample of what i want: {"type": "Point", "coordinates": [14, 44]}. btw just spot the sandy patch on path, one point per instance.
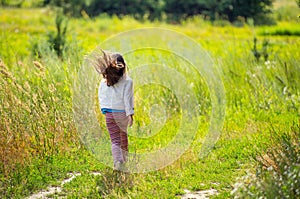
{"type": "Point", "coordinates": [199, 194]}
{"type": "Point", "coordinates": [55, 190]}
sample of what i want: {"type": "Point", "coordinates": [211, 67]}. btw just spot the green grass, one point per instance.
{"type": "Point", "coordinates": [39, 144]}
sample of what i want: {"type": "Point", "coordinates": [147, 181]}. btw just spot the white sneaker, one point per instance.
{"type": "Point", "coordinates": [118, 165]}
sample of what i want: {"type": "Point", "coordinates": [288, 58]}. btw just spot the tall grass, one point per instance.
{"type": "Point", "coordinates": [36, 119]}
{"type": "Point", "coordinates": [36, 108]}
{"type": "Point", "coordinates": [277, 172]}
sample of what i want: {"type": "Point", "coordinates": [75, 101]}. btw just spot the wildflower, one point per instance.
{"type": "Point", "coordinates": [20, 63]}
{"type": "Point", "coordinates": [285, 90]}
{"type": "Point", "coordinates": [270, 64]}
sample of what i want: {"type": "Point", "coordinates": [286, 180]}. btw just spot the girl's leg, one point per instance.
{"type": "Point", "coordinates": [122, 121]}
{"type": "Point", "coordinates": [124, 144]}
{"type": "Point", "coordinates": [114, 132]}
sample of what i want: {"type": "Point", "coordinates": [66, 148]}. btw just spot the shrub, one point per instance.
{"type": "Point", "coordinates": [278, 170]}
{"type": "Point", "coordinates": [58, 40]}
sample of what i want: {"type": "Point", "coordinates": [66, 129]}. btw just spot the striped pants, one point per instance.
{"type": "Point", "coordinates": [116, 124]}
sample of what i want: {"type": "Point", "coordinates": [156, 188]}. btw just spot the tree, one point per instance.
{"type": "Point", "coordinates": [182, 9]}
{"type": "Point", "coordinates": [249, 9]}
{"type": "Point", "coordinates": [58, 40]}
{"type": "Point", "coordinates": [214, 9]}
{"type": "Point", "coordinates": [176, 10]}
{"type": "Point", "coordinates": [12, 3]}
{"type": "Point", "coordinates": [71, 8]}
{"type": "Point", "coordinates": [152, 9]}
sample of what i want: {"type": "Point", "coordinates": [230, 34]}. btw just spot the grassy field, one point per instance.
{"type": "Point", "coordinates": [39, 144]}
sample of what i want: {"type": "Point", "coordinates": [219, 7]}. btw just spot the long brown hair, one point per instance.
{"type": "Point", "coordinates": [112, 67]}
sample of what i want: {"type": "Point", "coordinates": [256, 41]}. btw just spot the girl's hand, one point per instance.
{"type": "Point", "coordinates": [130, 120]}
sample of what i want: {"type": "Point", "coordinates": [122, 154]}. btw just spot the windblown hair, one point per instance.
{"type": "Point", "coordinates": [111, 65]}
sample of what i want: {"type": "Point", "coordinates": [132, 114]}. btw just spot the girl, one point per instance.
{"type": "Point", "coordinates": [116, 102]}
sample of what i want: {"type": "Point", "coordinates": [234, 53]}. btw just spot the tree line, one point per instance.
{"type": "Point", "coordinates": [171, 10]}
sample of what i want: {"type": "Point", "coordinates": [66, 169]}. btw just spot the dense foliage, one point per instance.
{"type": "Point", "coordinates": [173, 10]}
{"type": "Point", "coordinates": [278, 172]}
{"type": "Point", "coordinates": [224, 9]}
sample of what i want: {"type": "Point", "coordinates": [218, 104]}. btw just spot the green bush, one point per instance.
{"type": "Point", "coordinates": [56, 41]}
{"type": "Point", "coordinates": [278, 170]}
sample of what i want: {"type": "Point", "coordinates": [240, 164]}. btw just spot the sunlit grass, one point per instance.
{"type": "Point", "coordinates": [37, 130]}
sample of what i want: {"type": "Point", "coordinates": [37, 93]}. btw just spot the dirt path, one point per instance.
{"type": "Point", "coordinates": [55, 190]}
{"type": "Point", "coordinates": [199, 194]}
{"type": "Point", "coordinates": [43, 194]}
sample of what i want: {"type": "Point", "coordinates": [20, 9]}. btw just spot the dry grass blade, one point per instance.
{"type": "Point", "coordinates": [38, 65]}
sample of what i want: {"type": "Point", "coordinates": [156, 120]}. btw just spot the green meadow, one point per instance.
{"type": "Point", "coordinates": [40, 146]}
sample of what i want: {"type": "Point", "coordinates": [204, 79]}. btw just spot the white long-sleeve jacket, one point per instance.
{"type": "Point", "coordinates": [119, 96]}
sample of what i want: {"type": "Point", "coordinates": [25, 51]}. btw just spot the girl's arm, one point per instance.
{"type": "Point", "coordinates": [128, 98]}
{"type": "Point", "coordinates": [130, 120]}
